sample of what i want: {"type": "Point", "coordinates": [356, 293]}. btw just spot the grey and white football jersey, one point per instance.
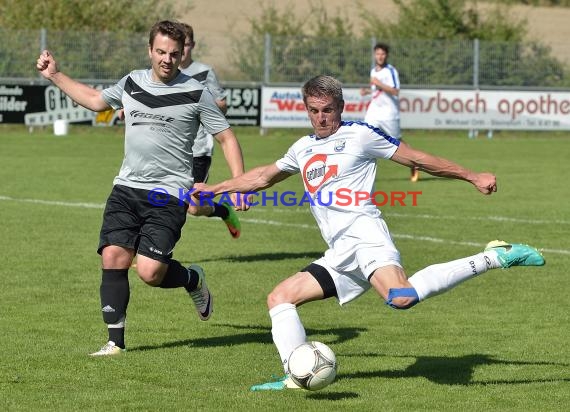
{"type": "Point", "coordinates": [204, 144]}
{"type": "Point", "coordinates": [161, 123]}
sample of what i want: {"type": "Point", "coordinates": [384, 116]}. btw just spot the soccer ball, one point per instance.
{"type": "Point", "coordinates": [312, 365]}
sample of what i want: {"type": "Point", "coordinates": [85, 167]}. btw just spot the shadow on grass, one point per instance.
{"type": "Point", "coordinates": [259, 257]}
{"type": "Point", "coordinates": [254, 334]}
{"type": "Point", "coordinates": [450, 370]}
{"type": "Point", "coordinates": [332, 396]}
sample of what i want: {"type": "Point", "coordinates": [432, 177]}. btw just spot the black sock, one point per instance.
{"type": "Point", "coordinates": [220, 211]}
{"type": "Point", "coordinates": [176, 276]}
{"type": "Point", "coordinates": [117, 335]}
{"type": "Point", "coordinates": [194, 279]}
{"type": "Point", "coordinates": [115, 294]}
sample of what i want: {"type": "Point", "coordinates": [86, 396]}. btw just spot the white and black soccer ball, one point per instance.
{"type": "Point", "coordinates": [312, 365]}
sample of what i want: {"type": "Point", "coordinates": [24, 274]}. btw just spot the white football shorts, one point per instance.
{"type": "Point", "coordinates": [354, 258]}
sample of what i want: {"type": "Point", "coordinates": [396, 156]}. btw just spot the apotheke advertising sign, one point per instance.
{"type": "Point", "coordinates": [435, 109]}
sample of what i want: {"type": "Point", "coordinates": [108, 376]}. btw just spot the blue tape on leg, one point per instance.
{"type": "Point", "coordinates": [402, 293]}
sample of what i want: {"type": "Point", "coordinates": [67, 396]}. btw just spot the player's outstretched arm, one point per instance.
{"type": "Point", "coordinates": [82, 94]}
{"type": "Point", "coordinates": [485, 183]}
{"type": "Point", "coordinates": [232, 151]}
{"type": "Point", "coordinates": [234, 158]}
{"type": "Point", "coordinates": [256, 179]}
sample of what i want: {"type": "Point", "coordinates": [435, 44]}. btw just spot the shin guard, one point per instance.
{"type": "Point", "coordinates": [115, 295]}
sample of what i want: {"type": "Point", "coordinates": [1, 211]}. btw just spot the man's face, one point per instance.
{"type": "Point", "coordinates": [380, 57]}
{"type": "Point", "coordinates": [187, 52]}
{"type": "Point", "coordinates": [325, 114]}
{"type": "Point", "coordinates": [165, 55]}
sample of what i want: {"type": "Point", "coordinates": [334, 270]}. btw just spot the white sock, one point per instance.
{"type": "Point", "coordinates": [436, 279]}
{"type": "Point", "coordinates": [287, 330]}
{"type": "Point", "coordinates": [492, 259]}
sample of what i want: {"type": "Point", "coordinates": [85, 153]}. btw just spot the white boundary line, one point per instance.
{"type": "Point", "coordinates": [494, 218]}
{"type": "Point", "coordinates": [431, 217]}
{"type": "Point", "coordinates": [314, 227]}
{"type": "Point", "coordinates": [396, 235]}
{"type": "Point", "coordinates": [55, 203]}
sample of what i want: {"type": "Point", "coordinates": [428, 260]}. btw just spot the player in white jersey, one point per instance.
{"type": "Point", "coordinates": [361, 254]}
{"type": "Point", "coordinates": [384, 108]}
{"type": "Point", "coordinates": [146, 209]}
{"type": "Point", "coordinates": [203, 148]}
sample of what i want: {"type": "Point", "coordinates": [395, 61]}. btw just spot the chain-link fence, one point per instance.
{"type": "Point", "coordinates": [106, 57]}
{"type": "Point", "coordinates": [82, 55]}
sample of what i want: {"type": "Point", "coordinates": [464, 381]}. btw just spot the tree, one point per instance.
{"type": "Point", "coordinates": [301, 46]}
{"type": "Point", "coordinates": [249, 51]}
{"type": "Point", "coordinates": [445, 19]}
{"type": "Point", "coordinates": [91, 39]}
{"type": "Point", "coordinates": [457, 24]}
{"type": "Point", "coordinates": [80, 15]}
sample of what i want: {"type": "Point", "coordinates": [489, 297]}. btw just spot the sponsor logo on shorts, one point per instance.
{"type": "Point", "coordinates": [155, 250]}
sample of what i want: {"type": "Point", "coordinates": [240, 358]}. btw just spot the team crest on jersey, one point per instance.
{"type": "Point", "coordinates": [339, 145]}
{"type": "Point", "coordinates": [316, 172]}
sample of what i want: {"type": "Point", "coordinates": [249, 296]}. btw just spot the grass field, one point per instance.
{"type": "Point", "coordinates": [495, 343]}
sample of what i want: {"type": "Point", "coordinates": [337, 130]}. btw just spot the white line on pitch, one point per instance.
{"type": "Point", "coordinates": [303, 225]}
{"type": "Point", "coordinates": [56, 203]}
{"type": "Point", "coordinates": [431, 217]}
{"type": "Point", "coordinates": [396, 235]}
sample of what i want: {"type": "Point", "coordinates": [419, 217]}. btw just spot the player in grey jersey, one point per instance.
{"type": "Point", "coordinates": [147, 206]}
{"type": "Point", "coordinates": [203, 148]}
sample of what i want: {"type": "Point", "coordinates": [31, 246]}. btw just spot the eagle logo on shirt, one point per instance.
{"type": "Point", "coordinates": [339, 145]}
{"type": "Point", "coordinates": [316, 172]}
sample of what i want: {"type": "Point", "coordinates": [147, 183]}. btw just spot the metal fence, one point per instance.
{"type": "Point", "coordinates": [82, 55]}
{"type": "Point", "coordinates": [106, 57]}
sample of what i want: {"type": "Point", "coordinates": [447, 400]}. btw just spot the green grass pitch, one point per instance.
{"type": "Point", "coordinates": [496, 343]}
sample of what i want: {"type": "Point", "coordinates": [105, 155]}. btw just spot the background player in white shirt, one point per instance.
{"type": "Point", "coordinates": [361, 254]}
{"type": "Point", "coordinates": [384, 108]}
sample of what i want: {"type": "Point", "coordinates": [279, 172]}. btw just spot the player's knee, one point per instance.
{"type": "Point", "coordinates": [193, 210]}
{"type": "Point", "coordinates": [150, 277]}
{"type": "Point", "coordinates": [273, 299]}
{"type": "Point", "coordinates": [278, 296]}
{"type": "Point", "coordinates": [201, 210]}
{"type": "Point", "coordinates": [401, 303]}
{"type": "Point", "coordinates": [402, 298]}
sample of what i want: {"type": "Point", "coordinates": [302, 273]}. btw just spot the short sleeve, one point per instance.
{"type": "Point", "coordinates": [378, 144]}
{"type": "Point", "coordinates": [288, 163]}
{"type": "Point", "coordinates": [113, 95]}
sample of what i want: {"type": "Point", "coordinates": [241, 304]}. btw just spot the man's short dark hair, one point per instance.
{"type": "Point", "coordinates": [169, 28]}
{"type": "Point", "coordinates": [188, 30]}
{"type": "Point", "coordinates": [382, 46]}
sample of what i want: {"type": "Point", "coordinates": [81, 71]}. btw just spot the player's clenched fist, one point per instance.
{"type": "Point", "coordinates": [46, 64]}
{"type": "Point", "coordinates": [486, 183]}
